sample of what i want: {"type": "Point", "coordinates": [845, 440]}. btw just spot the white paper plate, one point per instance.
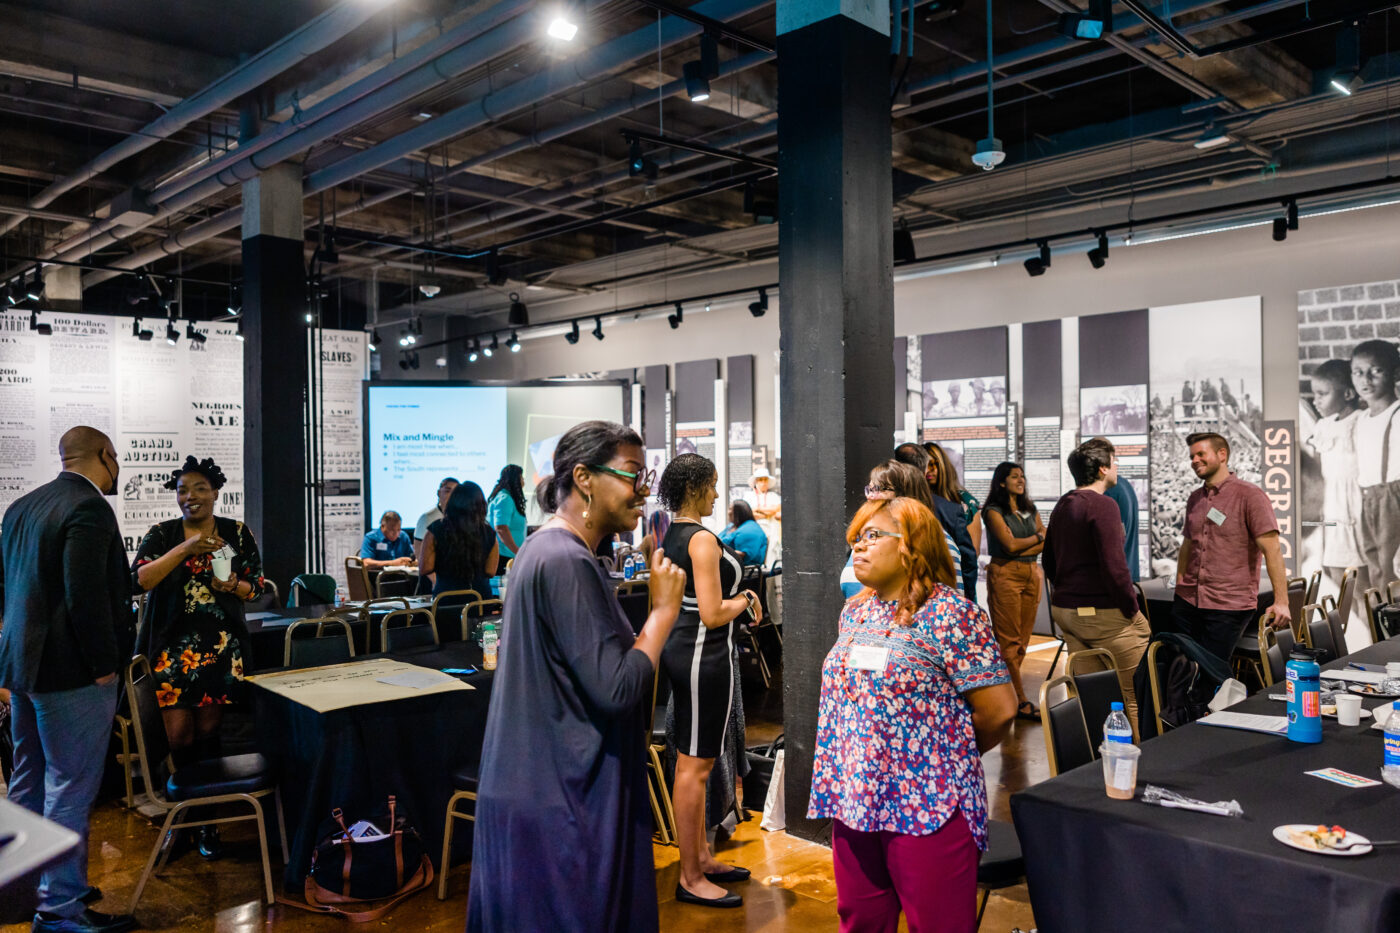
{"type": "Point", "coordinates": [1364, 714]}
{"type": "Point", "coordinates": [1284, 835]}
{"type": "Point", "coordinates": [1360, 690]}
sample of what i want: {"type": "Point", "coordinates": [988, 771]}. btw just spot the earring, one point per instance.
{"type": "Point", "coordinates": [588, 504]}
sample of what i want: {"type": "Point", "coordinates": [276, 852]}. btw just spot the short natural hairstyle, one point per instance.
{"type": "Point", "coordinates": [1216, 441]}
{"type": "Point", "coordinates": [912, 454]}
{"type": "Point", "coordinates": [921, 550]}
{"type": "Point", "coordinates": [1086, 460]}
{"type": "Point", "coordinates": [684, 477]}
{"type": "Point", "coordinates": [1379, 351]}
{"type": "Point", "coordinates": [206, 468]}
{"type": "Point", "coordinates": [587, 444]}
{"type": "Point", "coordinates": [391, 514]}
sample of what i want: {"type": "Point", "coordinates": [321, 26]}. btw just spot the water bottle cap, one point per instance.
{"type": "Point", "coordinates": [1395, 705]}
{"type": "Point", "coordinates": [1116, 707]}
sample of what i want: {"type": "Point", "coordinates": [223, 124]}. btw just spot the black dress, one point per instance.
{"type": "Point", "coordinates": [194, 635]}
{"type": "Point", "coordinates": [698, 660]}
{"type": "Point", "coordinates": [563, 820]}
{"type": "Point", "coordinates": [480, 580]}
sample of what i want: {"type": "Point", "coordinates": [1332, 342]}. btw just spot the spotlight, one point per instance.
{"type": "Point", "coordinates": [675, 319]}
{"type": "Point", "coordinates": [1211, 137]}
{"type": "Point", "coordinates": [34, 325]}
{"type": "Point", "coordinates": [513, 342]}
{"type": "Point", "coordinates": [140, 333]}
{"type": "Point", "coordinates": [172, 336]}
{"type": "Point", "coordinates": [1093, 24]}
{"type": "Point", "coordinates": [1037, 265]}
{"type": "Point", "coordinates": [193, 335]}
{"type": "Point", "coordinates": [490, 351]}
{"type": "Point", "coordinates": [409, 360]}
{"type": "Point", "coordinates": [36, 287]}
{"type": "Point", "coordinates": [519, 316]}
{"type": "Point", "coordinates": [904, 244]}
{"type": "Point", "coordinates": [472, 353]}
{"type": "Point", "coordinates": [403, 338]}
{"type": "Point", "coordinates": [1099, 254]}
{"type": "Point", "coordinates": [310, 317]}
{"type": "Point", "coordinates": [430, 291]}
{"type": "Point", "coordinates": [1292, 215]}
{"type": "Point", "coordinates": [598, 327]}
{"type": "Point", "coordinates": [572, 335]}
{"type": "Point", "coordinates": [1347, 78]}
{"type": "Point", "coordinates": [1280, 229]}
{"type": "Point", "coordinates": [235, 302]}
{"type": "Point", "coordinates": [237, 333]}
{"type": "Point", "coordinates": [638, 164]}
{"type": "Point", "coordinates": [697, 86]}
{"type": "Point", "coordinates": [563, 27]}
{"type": "Point", "coordinates": [10, 296]}
{"type": "Point", "coordinates": [440, 362]}
{"type": "Point", "coordinates": [373, 340]}
{"type": "Point", "coordinates": [760, 307]}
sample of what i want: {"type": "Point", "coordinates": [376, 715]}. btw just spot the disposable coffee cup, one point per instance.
{"type": "Point", "coordinates": [1120, 763]}
{"type": "Point", "coordinates": [223, 567]}
{"type": "Point", "coordinates": [1348, 709]}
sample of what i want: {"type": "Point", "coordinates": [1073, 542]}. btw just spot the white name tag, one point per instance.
{"type": "Point", "coordinates": [1216, 516]}
{"type": "Point", "coordinates": [869, 658]}
{"type": "Point", "coordinates": [381, 546]}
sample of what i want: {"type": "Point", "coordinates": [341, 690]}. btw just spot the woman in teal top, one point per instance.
{"type": "Point", "coordinates": [505, 513]}
{"type": "Point", "coordinates": [744, 534]}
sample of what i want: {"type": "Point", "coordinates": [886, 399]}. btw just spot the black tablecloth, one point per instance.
{"type": "Point", "coordinates": [267, 635]}
{"type": "Point", "coordinates": [1097, 864]}
{"type": "Point", "coordinates": [354, 758]}
{"type": "Point", "coordinates": [1159, 598]}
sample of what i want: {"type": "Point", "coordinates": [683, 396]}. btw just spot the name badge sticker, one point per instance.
{"type": "Point", "coordinates": [1216, 516]}
{"type": "Point", "coordinates": [1086, 610]}
{"type": "Point", "coordinates": [381, 546]}
{"type": "Point", "coordinates": [869, 658]}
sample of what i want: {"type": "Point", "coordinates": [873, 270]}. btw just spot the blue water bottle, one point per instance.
{"type": "Point", "coordinates": [1304, 701]}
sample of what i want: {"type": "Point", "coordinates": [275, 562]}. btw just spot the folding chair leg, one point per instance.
{"type": "Point", "coordinates": [165, 829]}
{"type": "Point", "coordinates": [124, 734]}
{"type": "Point", "coordinates": [446, 852]}
{"type": "Point", "coordinates": [661, 792]}
{"type": "Point", "coordinates": [983, 895]}
{"type": "Point", "coordinates": [656, 815]}
{"type": "Point", "coordinates": [1056, 659]}
{"type": "Point", "coordinates": [262, 850]}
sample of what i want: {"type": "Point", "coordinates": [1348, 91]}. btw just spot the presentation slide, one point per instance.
{"type": "Point", "coordinates": [418, 433]}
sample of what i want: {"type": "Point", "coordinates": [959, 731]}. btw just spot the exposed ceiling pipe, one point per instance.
{"type": "Point", "coordinates": [558, 79]}
{"type": "Point", "coordinates": [478, 39]}
{"type": "Point", "coordinates": [337, 22]}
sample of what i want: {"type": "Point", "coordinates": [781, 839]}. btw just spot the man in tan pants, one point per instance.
{"type": "Point", "coordinates": [1093, 602]}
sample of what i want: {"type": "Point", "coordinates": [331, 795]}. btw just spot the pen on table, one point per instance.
{"type": "Point", "coordinates": [1373, 668]}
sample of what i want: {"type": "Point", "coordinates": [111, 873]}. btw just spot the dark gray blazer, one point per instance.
{"type": "Point", "coordinates": [67, 589]}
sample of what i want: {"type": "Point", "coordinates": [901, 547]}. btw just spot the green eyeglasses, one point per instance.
{"type": "Point", "coordinates": [641, 481]}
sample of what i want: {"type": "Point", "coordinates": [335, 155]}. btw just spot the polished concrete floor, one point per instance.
{"type": "Point", "coordinates": [791, 888]}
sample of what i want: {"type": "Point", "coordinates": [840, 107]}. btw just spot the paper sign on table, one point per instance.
{"type": "Point", "coordinates": [355, 683]}
{"type": "Point", "coordinates": [1345, 778]}
{"type": "Point", "coordinates": [418, 678]}
{"type": "Point", "coordinates": [1250, 722]}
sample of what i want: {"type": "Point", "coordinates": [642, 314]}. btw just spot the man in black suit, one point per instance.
{"type": "Point", "coordinates": [66, 635]}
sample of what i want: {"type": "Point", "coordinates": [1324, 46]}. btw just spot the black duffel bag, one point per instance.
{"type": "Point", "coordinates": [1388, 621]}
{"type": "Point", "coordinates": [761, 758]}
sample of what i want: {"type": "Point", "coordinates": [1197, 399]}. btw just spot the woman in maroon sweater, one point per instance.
{"type": "Point", "coordinates": [1093, 601]}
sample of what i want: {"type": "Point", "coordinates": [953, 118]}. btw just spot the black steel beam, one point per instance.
{"type": "Point", "coordinates": [711, 25]}
{"type": "Point", "coordinates": [674, 142]}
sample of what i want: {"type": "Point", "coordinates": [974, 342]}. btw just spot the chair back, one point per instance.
{"type": "Point", "coordinates": [1320, 631]}
{"type": "Point", "coordinates": [319, 649]}
{"type": "Point", "coordinates": [1314, 587]}
{"type": "Point", "coordinates": [391, 582]}
{"type": "Point", "coordinates": [480, 609]}
{"type": "Point", "coordinates": [1373, 600]}
{"type": "Point", "coordinates": [1392, 592]}
{"type": "Point", "coordinates": [631, 586]}
{"type": "Point", "coordinates": [1062, 721]}
{"type": "Point", "coordinates": [449, 610]}
{"type": "Point", "coordinates": [357, 579]}
{"type": "Point", "coordinates": [1297, 597]}
{"type": "Point", "coordinates": [1097, 686]}
{"type": "Point", "coordinates": [269, 600]}
{"type": "Point", "coordinates": [1275, 646]}
{"type": "Point", "coordinates": [310, 589]}
{"type": "Point", "coordinates": [152, 747]}
{"type": "Point", "coordinates": [1346, 596]}
{"type": "Point", "coordinates": [417, 630]}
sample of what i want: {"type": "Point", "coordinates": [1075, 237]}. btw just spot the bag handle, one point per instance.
{"type": "Point", "coordinates": [315, 895]}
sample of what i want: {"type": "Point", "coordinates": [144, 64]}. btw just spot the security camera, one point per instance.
{"type": "Point", "coordinates": [430, 291]}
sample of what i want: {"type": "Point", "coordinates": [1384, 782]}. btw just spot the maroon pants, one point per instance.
{"type": "Point", "coordinates": [933, 878]}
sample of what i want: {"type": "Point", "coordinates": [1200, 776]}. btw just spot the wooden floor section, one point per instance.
{"type": "Point", "coordinates": [791, 889]}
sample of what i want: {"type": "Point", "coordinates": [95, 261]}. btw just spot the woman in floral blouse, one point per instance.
{"type": "Point", "coordinates": [912, 692]}
{"type": "Point", "coordinates": [193, 631]}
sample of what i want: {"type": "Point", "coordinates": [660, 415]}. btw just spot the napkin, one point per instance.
{"type": "Point", "coordinates": [1230, 693]}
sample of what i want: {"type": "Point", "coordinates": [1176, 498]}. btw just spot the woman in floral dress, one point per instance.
{"type": "Point", "coordinates": [193, 631]}
{"type": "Point", "coordinates": [913, 691]}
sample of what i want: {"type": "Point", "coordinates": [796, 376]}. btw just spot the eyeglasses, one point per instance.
{"type": "Point", "coordinates": [641, 481]}
{"type": "Point", "coordinates": [871, 535]}
{"type": "Point", "coordinates": [877, 492]}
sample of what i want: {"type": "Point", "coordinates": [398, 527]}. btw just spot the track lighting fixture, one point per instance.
{"type": "Point", "coordinates": [1289, 221]}
{"type": "Point", "coordinates": [639, 164]}
{"type": "Point", "coordinates": [564, 25]}
{"type": "Point", "coordinates": [675, 319]}
{"type": "Point", "coordinates": [494, 274]}
{"type": "Point", "coordinates": [10, 297]}
{"type": "Point", "coordinates": [519, 315]}
{"type": "Point", "coordinates": [36, 286]}
{"type": "Point", "coordinates": [598, 327]}
{"type": "Point", "coordinates": [514, 342]}
{"type": "Point", "coordinates": [1095, 23]}
{"type": "Point", "coordinates": [489, 351]}
{"type": "Point", "coordinates": [409, 360]}
{"type": "Point", "coordinates": [1292, 215]}
{"type": "Point", "coordinates": [374, 340]}
{"type": "Point", "coordinates": [310, 317]}
{"type": "Point", "coordinates": [1280, 229]}
{"type": "Point", "coordinates": [700, 72]}
{"type": "Point", "coordinates": [1211, 137]}
{"type": "Point", "coordinates": [474, 352]}
{"type": "Point", "coordinates": [172, 336]}
{"type": "Point", "coordinates": [1037, 265]}
{"type": "Point", "coordinates": [144, 334]}
{"type": "Point", "coordinates": [1099, 254]}
{"type": "Point", "coordinates": [238, 332]}
{"type": "Point", "coordinates": [904, 244]}
{"type": "Point", "coordinates": [760, 307]}
{"type": "Point", "coordinates": [194, 336]}
{"type": "Point", "coordinates": [572, 335]}
{"type": "Point", "coordinates": [1347, 78]}
{"type": "Point", "coordinates": [235, 300]}
{"type": "Point", "coordinates": [34, 325]}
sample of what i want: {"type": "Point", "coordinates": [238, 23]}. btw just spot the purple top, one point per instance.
{"type": "Point", "coordinates": [895, 747]}
{"type": "Point", "coordinates": [1084, 556]}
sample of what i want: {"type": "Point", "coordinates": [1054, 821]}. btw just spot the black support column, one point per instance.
{"type": "Point", "coordinates": [274, 370]}
{"type": "Point", "coordinates": [837, 327]}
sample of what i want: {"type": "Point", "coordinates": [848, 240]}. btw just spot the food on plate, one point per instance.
{"type": "Point", "coordinates": [1319, 837]}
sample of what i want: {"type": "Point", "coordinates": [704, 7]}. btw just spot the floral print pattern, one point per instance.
{"type": "Point", "coordinates": [201, 668]}
{"type": "Point", "coordinates": [895, 747]}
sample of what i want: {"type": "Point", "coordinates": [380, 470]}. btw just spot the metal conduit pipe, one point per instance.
{"type": "Point", "coordinates": [566, 76]}
{"type": "Point", "coordinates": [480, 38]}
{"type": "Point", "coordinates": [334, 24]}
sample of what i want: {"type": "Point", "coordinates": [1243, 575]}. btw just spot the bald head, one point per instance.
{"type": "Point", "coordinates": [88, 451]}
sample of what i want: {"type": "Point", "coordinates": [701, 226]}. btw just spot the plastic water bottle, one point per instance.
{"type": "Point", "coordinates": [629, 567]}
{"type": "Point", "coordinates": [1390, 766]}
{"type": "Point", "coordinates": [488, 645]}
{"type": "Point", "coordinates": [501, 586]}
{"type": "Point", "coordinates": [1116, 727]}
{"type": "Point", "coordinates": [1304, 701]}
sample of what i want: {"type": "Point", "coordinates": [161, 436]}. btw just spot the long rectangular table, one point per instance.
{"type": "Point", "coordinates": [1097, 864]}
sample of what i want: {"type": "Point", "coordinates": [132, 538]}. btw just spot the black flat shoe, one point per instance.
{"type": "Point", "coordinates": [728, 877]}
{"type": "Point", "coordinates": [729, 900]}
{"type": "Point", "coordinates": [91, 896]}
{"type": "Point", "coordinates": [89, 921]}
{"type": "Point", "coordinates": [210, 847]}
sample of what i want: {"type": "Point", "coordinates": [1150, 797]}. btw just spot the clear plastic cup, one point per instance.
{"type": "Point", "coordinates": [1120, 764]}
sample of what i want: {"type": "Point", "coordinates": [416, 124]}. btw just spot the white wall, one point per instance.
{"type": "Point", "coordinates": [1360, 246]}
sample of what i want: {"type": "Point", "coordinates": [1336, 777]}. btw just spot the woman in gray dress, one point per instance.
{"type": "Point", "coordinates": [563, 822]}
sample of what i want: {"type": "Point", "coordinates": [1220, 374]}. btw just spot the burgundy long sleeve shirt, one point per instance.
{"type": "Point", "coordinates": [1084, 557]}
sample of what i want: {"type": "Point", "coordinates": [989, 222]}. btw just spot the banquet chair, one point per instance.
{"type": "Point", "coordinates": [1054, 629]}
{"type": "Point", "coordinates": [391, 582]}
{"type": "Point", "coordinates": [1346, 595]}
{"type": "Point", "coordinates": [1098, 688]}
{"type": "Point", "coordinates": [122, 722]}
{"type": "Point", "coordinates": [1244, 659]}
{"type": "Point", "coordinates": [1066, 734]}
{"type": "Point", "coordinates": [233, 779]}
{"type": "Point", "coordinates": [366, 612]}
{"type": "Point", "coordinates": [1142, 603]}
{"type": "Point", "coordinates": [1314, 586]}
{"type": "Point", "coordinates": [1297, 599]}
{"type": "Point", "coordinates": [1392, 592]}
{"type": "Point", "coordinates": [320, 649]}
{"type": "Point", "coordinates": [631, 586]}
{"type": "Point", "coordinates": [1001, 866]}
{"type": "Point", "coordinates": [451, 605]}
{"type": "Point", "coordinates": [463, 790]}
{"type": "Point", "coordinates": [660, 794]}
{"type": "Point", "coordinates": [480, 609]}
{"type": "Point", "coordinates": [1322, 631]}
{"type": "Point", "coordinates": [1274, 648]}
{"type": "Point", "coordinates": [357, 579]}
{"type": "Point", "coordinates": [1374, 602]}
{"type": "Point", "coordinates": [636, 606]}
{"type": "Point", "coordinates": [412, 634]}
{"type": "Point", "coordinates": [311, 589]}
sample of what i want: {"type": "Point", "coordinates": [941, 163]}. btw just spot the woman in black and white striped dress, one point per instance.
{"type": "Point", "coordinates": [698, 661]}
